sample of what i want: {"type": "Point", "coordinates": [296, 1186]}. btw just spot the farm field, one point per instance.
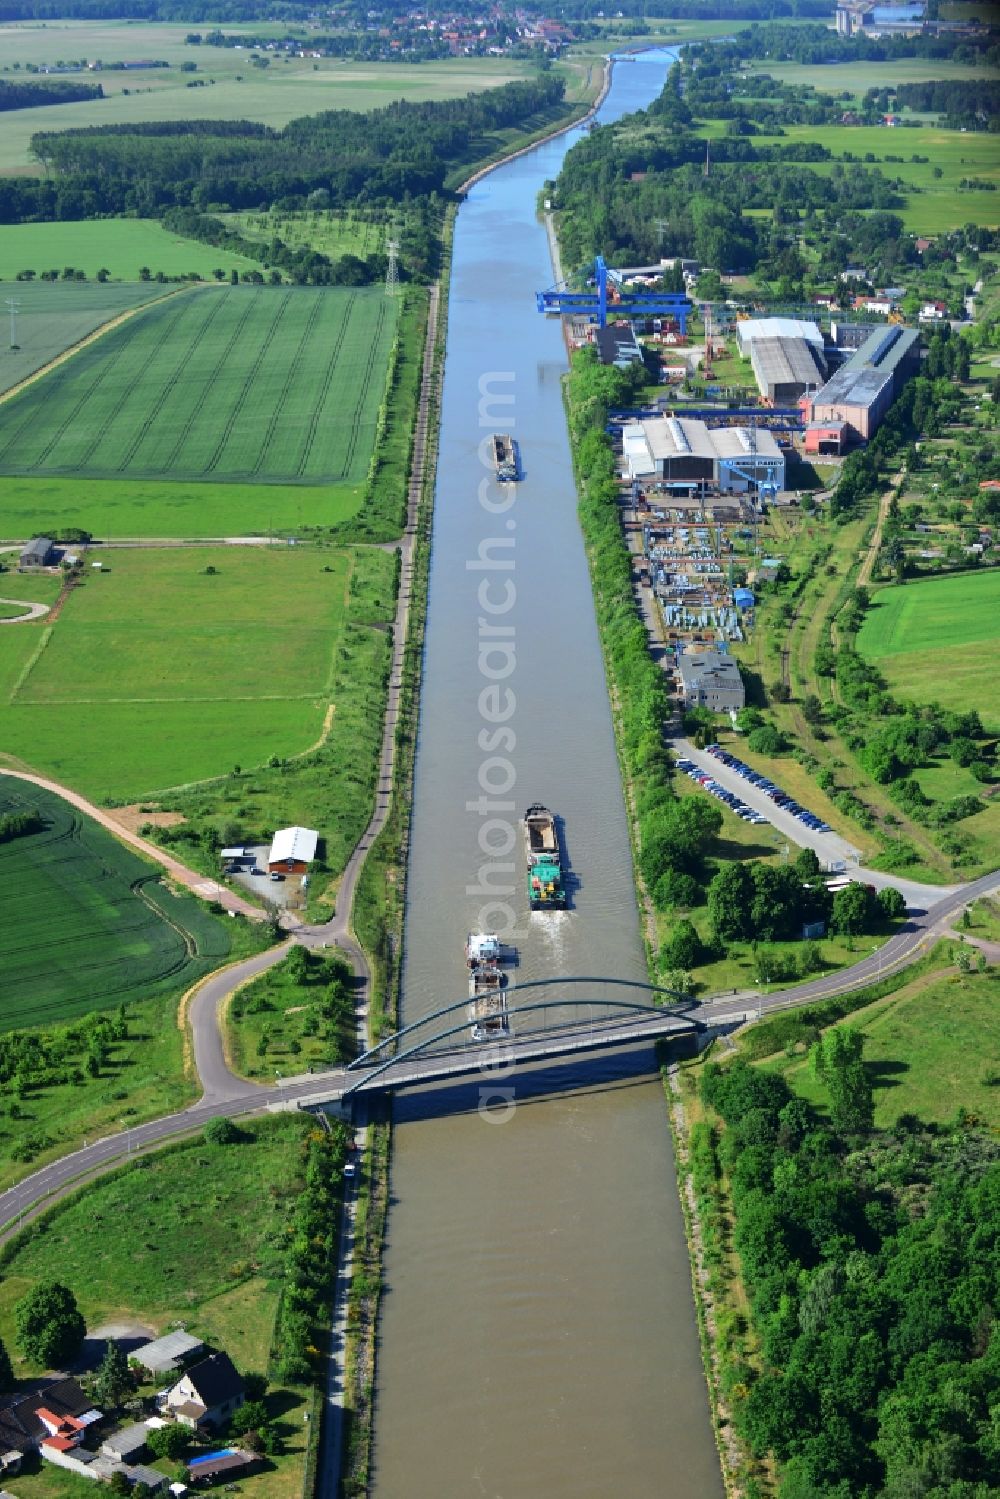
{"type": "Point", "coordinates": [912, 634]}
{"type": "Point", "coordinates": [159, 673]}
{"type": "Point", "coordinates": [930, 1048]}
{"type": "Point", "coordinates": [120, 246]}
{"type": "Point", "coordinates": [53, 316]}
{"type": "Point", "coordinates": [234, 89]}
{"type": "Point", "coordinates": [234, 383]}
{"type": "Point", "coordinates": [87, 923]}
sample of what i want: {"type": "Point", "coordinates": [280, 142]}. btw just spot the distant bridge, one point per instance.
{"type": "Point", "coordinates": [545, 1018]}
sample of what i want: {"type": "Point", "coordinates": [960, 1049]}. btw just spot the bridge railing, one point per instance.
{"type": "Point", "coordinates": [514, 1007]}
{"type": "Point", "coordinates": [491, 1054]}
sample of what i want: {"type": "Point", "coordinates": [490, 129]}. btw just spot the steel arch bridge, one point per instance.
{"type": "Point", "coordinates": [545, 1017]}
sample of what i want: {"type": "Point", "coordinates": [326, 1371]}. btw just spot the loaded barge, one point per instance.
{"type": "Point", "coordinates": [546, 890]}
{"type": "Point", "coordinates": [505, 458]}
{"type": "Point", "coordinates": [487, 986]}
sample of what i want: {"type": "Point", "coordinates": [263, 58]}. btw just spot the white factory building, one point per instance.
{"type": "Point", "coordinates": [688, 455]}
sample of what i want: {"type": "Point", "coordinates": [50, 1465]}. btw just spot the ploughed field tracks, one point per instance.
{"type": "Point", "coordinates": [227, 384]}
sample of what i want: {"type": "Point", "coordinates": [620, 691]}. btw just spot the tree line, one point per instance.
{"type": "Point", "coordinates": [387, 155]}
{"type": "Point", "coordinates": [959, 100]}
{"type": "Point", "coordinates": [48, 91]}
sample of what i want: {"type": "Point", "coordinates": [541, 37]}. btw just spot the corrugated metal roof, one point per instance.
{"type": "Point", "coordinates": [734, 442]}
{"type": "Point", "coordinates": [293, 844]}
{"type": "Point", "coordinates": [163, 1353]}
{"type": "Point", "coordinates": [786, 361]}
{"type": "Point", "coordinates": [750, 329]}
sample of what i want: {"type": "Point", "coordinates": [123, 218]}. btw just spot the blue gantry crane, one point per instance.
{"type": "Point", "coordinates": [607, 292]}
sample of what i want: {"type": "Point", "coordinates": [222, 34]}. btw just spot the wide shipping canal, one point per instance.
{"type": "Point", "coordinates": [538, 1337]}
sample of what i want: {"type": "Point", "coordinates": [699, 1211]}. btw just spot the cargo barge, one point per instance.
{"type": "Point", "coordinates": [505, 458]}
{"type": "Point", "coordinates": [546, 889]}
{"type": "Point", "coordinates": [487, 987]}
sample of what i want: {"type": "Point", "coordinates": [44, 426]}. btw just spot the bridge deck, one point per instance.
{"type": "Point", "coordinates": [514, 1051]}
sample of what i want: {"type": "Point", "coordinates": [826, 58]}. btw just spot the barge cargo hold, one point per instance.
{"type": "Point", "coordinates": [546, 890]}
{"type": "Point", "coordinates": [487, 1004]}
{"type": "Point", "coordinates": [505, 458]}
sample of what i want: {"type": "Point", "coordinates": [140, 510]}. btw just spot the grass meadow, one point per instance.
{"type": "Point", "coordinates": [932, 204]}
{"type": "Point", "coordinates": [120, 246]}
{"type": "Point", "coordinates": [233, 88]}
{"type": "Point", "coordinates": [235, 383]}
{"type": "Point", "coordinates": [87, 923]}
{"type": "Point", "coordinates": [53, 316]}
{"type": "Point", "coordinates": [858, 77]}
{"type": "Point", "coordinates": [330, 231]}
{"type": "Point", "coordinates": [298, 1015]}
{"type": "Point", "coordinates": [930, 639]}
{"type": "Point", "coordinates": [158, 673]}
{"type": "Point", "coordinates": [931, 1048]}
{"type": "Point", "coordinates": [330, 786]}
{"type": "Point", "coordinates": [153, 508]}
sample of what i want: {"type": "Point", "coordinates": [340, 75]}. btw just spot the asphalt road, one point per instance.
{"type": "Point", "coordinates": [23, 1201]}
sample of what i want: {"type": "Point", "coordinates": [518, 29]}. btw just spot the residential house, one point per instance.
{"type": "Point", "coordinates": [39, 552]}
{"type": "Point", "coordinates": [207, 1394]}
{"type": "Point", "coordinates": [933, 312]}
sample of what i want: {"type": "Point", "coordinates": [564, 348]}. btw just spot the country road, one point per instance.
{"type": "Point", "coordinates": [21, 1202]}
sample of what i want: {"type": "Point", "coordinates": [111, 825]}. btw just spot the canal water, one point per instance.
{"type": "Point", "coordinates": [538, 1337]}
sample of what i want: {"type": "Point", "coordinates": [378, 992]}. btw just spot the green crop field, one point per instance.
{"type": "Point", "coordinates": [158, 673]}
{"type": "Point", "coordinates": [120, 246]}
{"type": "Point", "coordinates": [53, 316]}
{"type": "Point", "coordinates": [232, 87]}
{"type": "Point", "coordinates": [230, 383]}
{"type": "Point", "coordinates": [86, 922]}
{"type": "Point", "coordinates": [914, 635]}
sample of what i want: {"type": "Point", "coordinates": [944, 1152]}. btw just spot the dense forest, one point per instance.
{"type": "Point", "coordinates": [388, 155]}
{"type": "Point", "coordinates": [960, 101]}
{"type": "Point", "coordinates": [639, 190]}
{"type": "Point", "coordinates": [47, 91]}
{"type": "Point", "coordinates": [818, 44]}
{"type": "Point", "coordinates": [872, 1265]}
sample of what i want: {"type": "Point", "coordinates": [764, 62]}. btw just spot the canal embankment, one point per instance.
{"type": "Point", "coordinates": [536, 1270]}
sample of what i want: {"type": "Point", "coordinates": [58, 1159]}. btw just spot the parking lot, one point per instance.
{"type": "Point", "coordinates": [251, 873]}
{"type": "Point", "coordinates": [757, 797]}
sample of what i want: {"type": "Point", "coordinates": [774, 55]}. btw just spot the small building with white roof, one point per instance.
{"type": "Point", "coordinates": [292, 851]}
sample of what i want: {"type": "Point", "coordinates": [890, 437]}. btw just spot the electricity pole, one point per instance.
{"type": "Point", "coordinates": [13, 305]}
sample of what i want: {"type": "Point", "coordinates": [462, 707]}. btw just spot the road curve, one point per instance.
{"type": "Point", "coordinates": [30, 1196]}
{"type": "Point", "coordinates": [32, 611]}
